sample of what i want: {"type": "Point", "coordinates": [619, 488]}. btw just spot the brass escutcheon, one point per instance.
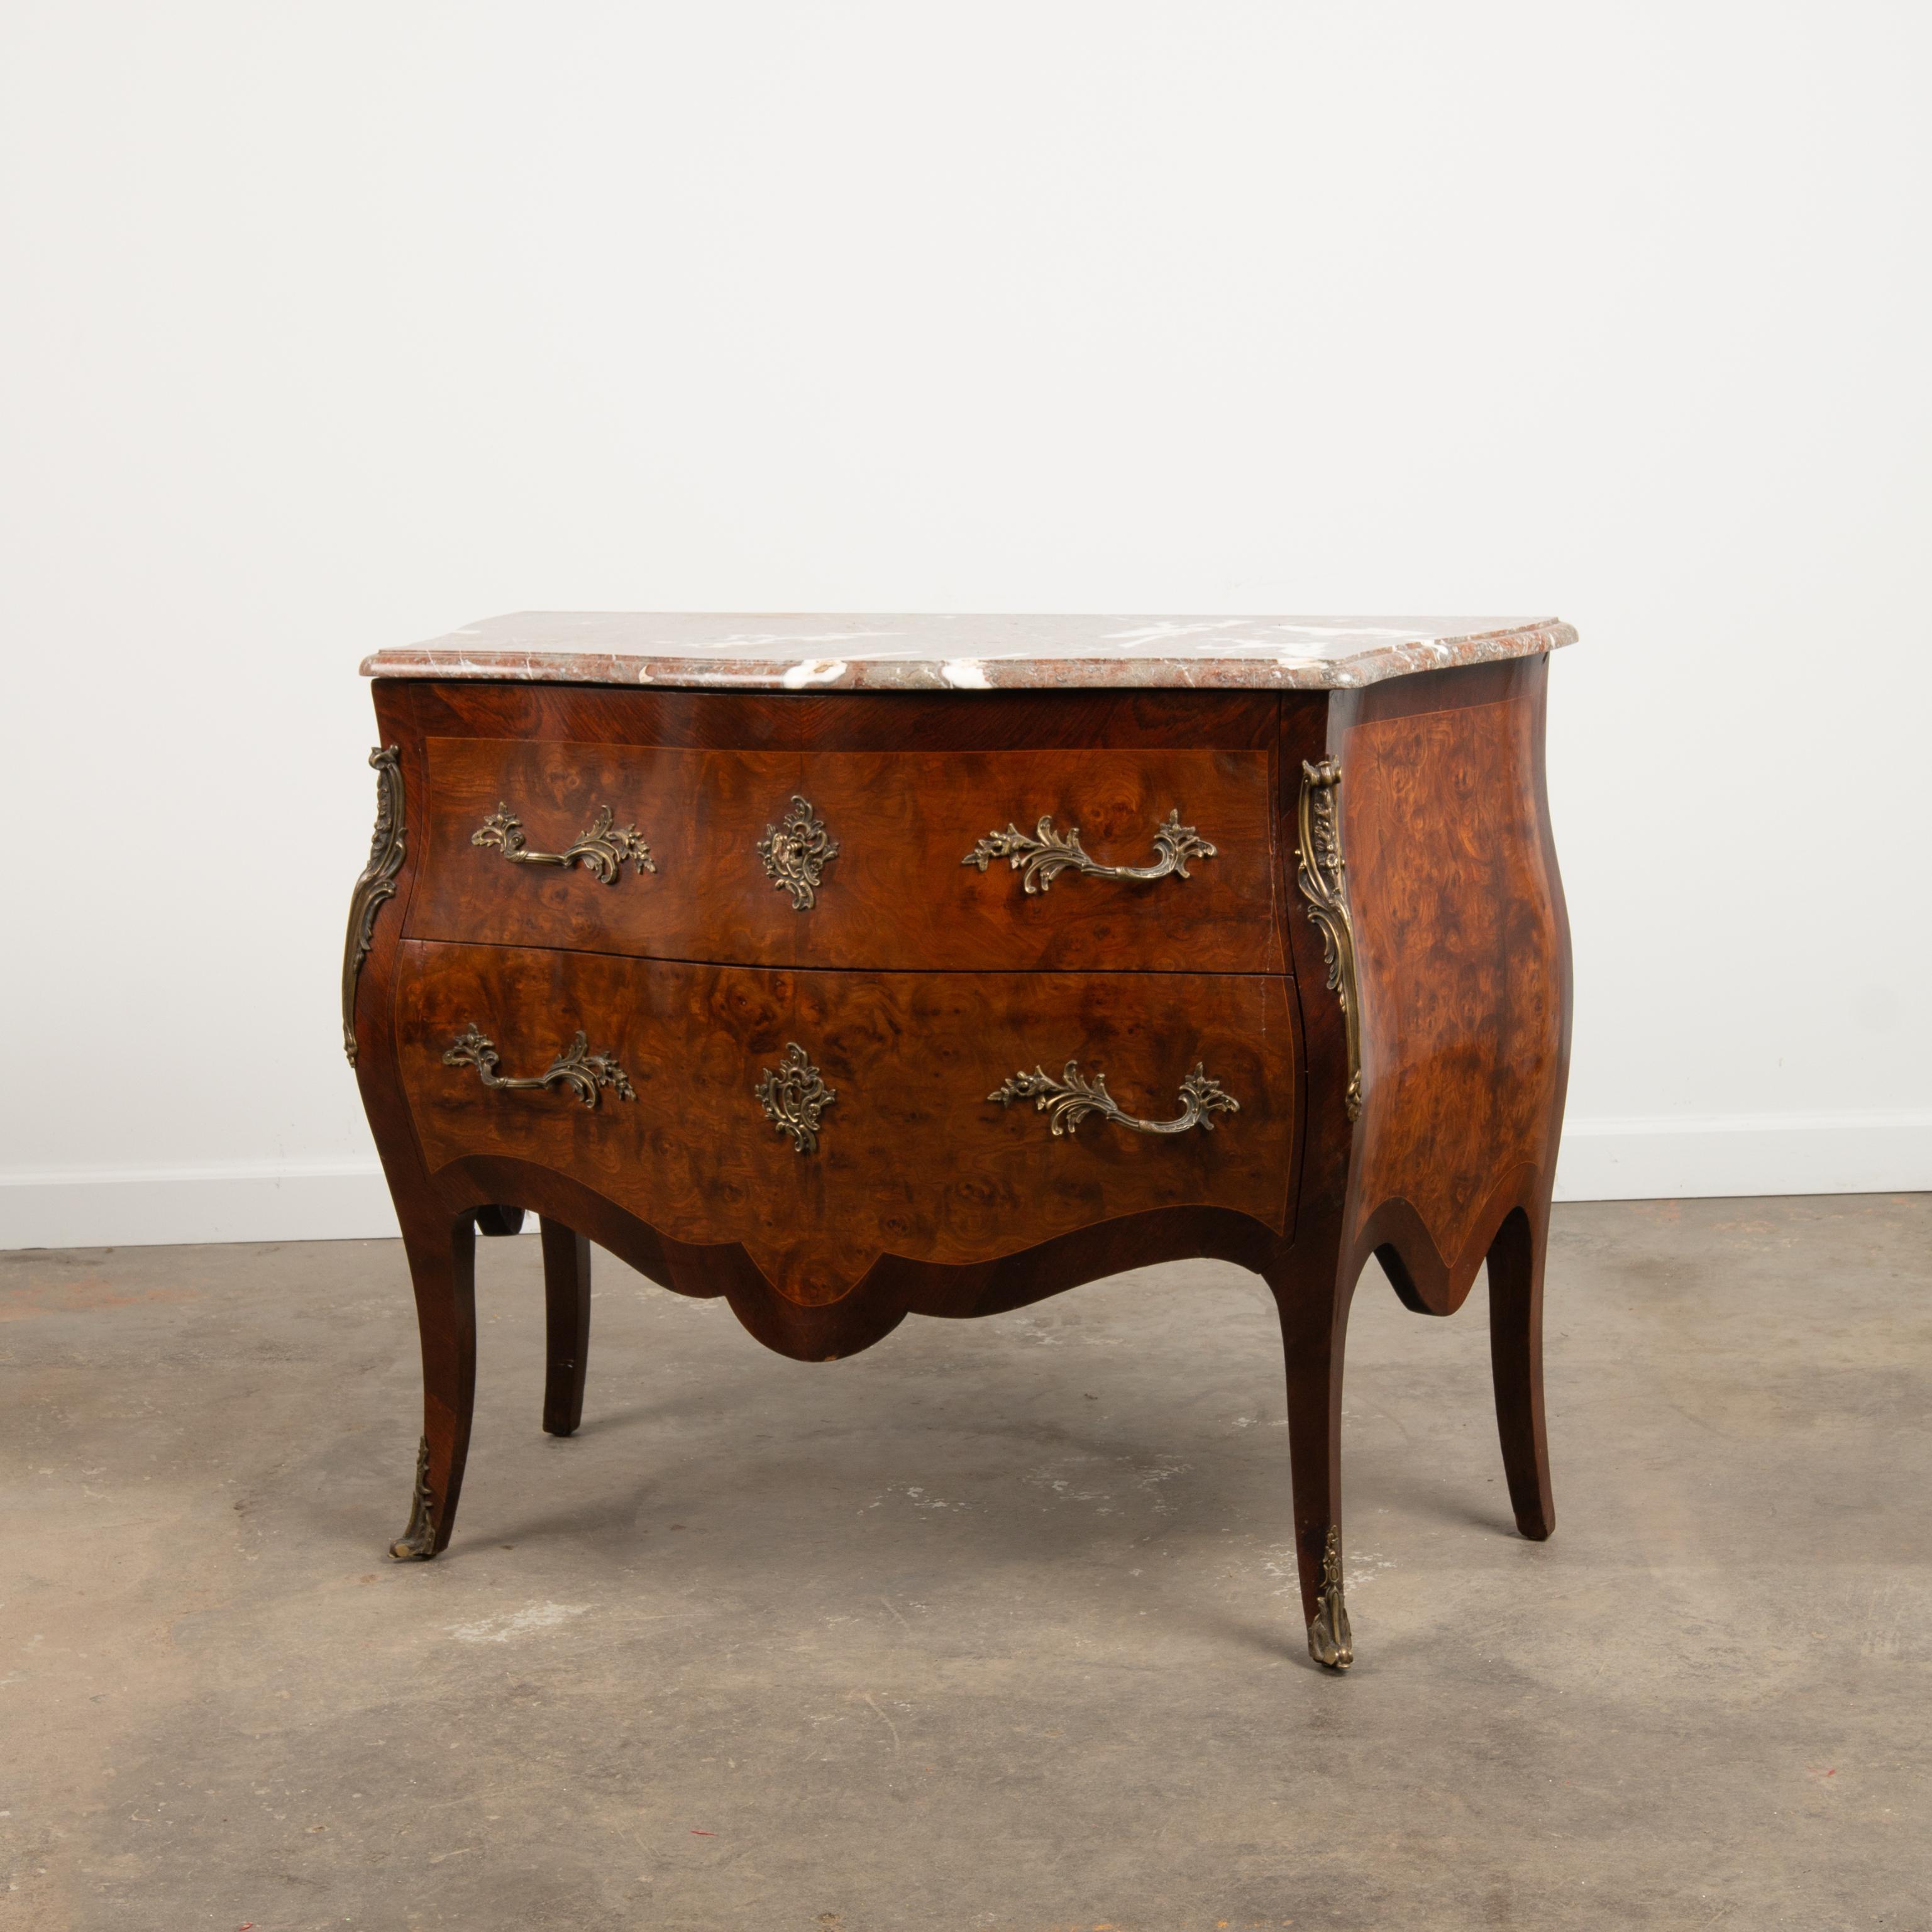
{"type": "Point", "coordinates": [796, 851]}
{"type": "Point", "coordinates": [795, 1097]}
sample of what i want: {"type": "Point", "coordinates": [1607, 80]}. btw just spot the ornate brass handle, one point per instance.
{"type": "Point", "coordinates": [576, 1067]}
{"type": "Point", "coordinates": [600, 851]}
{"type": "Point", "coordinates": [1046, 853]}
{"type": "Point", "coordinates": [1071, 1098]}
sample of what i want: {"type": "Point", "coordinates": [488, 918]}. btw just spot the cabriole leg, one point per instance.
{"type": "Point", "coordinates": [566, 1266]}
{"type": "Point", "coordinates": [1314, 1324]}
{"type": "Point", "coordinates": [1516, 1359]}
{"type": "Point", "coordinates": [442, 1268]}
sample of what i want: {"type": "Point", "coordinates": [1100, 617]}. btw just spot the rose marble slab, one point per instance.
{"type": "Point", "coordinates": [768, 653]}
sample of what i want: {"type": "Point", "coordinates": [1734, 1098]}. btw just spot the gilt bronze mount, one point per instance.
{"type": "Point", "coordinates": [377, 882]}
{"type": "Point", "coordinates": [1041, 857]}
{"type": "Point", "coordinates": [1323, 876]}
{"type": "Point", "coordinates": [796, 851]}
{"type": "Point", "coordinates": [576, 1067]}
{"type": "Point", "coordinates": [1073, 1098]}
{"type": "Point", "coordinates": [795, 1097]}
{"type": "Point", "coordinates": [1329, 1640]}
{"type": "Point", "coordinates": [600, 851]}
{"type": "Point", "coordinates": [417, 1543]}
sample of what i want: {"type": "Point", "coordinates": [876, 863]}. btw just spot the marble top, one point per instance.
{"type": "Point", "coordinates": [853, 652]}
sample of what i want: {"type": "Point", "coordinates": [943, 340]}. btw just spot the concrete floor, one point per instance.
{"type": "Point", "coordinates": [993, 1627]}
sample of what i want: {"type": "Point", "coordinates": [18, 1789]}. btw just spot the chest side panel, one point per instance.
{"type": "Point", "coordinates": [1462, 954]}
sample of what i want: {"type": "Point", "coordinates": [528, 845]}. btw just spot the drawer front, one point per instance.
{"type": "Point", "coordinates": [695, 1099]}
{"type": "Point", "coordinates": [880, 866]}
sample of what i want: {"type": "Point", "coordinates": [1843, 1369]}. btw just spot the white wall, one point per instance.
{"type": "Point", "coordinates": [325, 327]}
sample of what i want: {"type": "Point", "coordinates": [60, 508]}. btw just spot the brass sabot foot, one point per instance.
{"type": "Point", "coordinates": [417, 1543]}
{"type": "Point", "coordinates": [1330, 1646]}
{"type": "Point", "coordinates": [1330, 1641]}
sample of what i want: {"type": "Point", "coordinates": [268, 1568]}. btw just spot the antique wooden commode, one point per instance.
{"type": "Point", "coordinates": [850, 966]}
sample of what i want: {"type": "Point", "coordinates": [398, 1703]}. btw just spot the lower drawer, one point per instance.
{"type": "Point", "coordinates": [823, 1119]}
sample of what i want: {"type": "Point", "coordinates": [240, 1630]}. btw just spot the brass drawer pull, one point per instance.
{"type": "Point", "coordinates": [795, 1097]}
{"type": "Point", "coordinates": [1071, 1098]}
{"type": "Point", "coordinates": [576, 1067]}
{"type": "Point", "coordinates": [1047, 854]}
{"type": "Point", "coordinates": [796, 851]}
{"type": "Point", "coordinates": [600, 851]}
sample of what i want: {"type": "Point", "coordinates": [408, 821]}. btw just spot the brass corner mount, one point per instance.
{"type": "Point", "coordinates": [376, 883]}
{"type": "Point", "coordinates": [1323, 876]}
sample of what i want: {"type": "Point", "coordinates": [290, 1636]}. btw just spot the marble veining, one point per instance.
{"type": "Point", "coordinates": [767, 651]}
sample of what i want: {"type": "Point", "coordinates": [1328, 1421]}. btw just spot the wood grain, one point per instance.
{"type": "Point", "coordinates": [914, 1159]}
{"type": "Point", "coordinates": [1462, 962]}
{"type": "Point", "coordinates": [897, 896]}
{"type": "Point", "coordinates": [965, 721]}
{"type": "Point", "coordinates": [566, 1266]}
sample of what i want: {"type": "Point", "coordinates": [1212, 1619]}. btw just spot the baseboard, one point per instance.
{"type": "Point", "coordinates": [1602, 1160]}
{"type": "Point", "coordinates": [1686, 1157]}
{"type": "Point", "coordinates": [230, 1201]}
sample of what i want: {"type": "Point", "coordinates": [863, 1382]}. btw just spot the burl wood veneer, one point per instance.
{"type": "Point", "coordinates": [980, 959]}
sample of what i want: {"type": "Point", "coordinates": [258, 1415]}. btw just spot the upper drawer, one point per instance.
{"type": "Point", "coordinates": [877, 869]}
